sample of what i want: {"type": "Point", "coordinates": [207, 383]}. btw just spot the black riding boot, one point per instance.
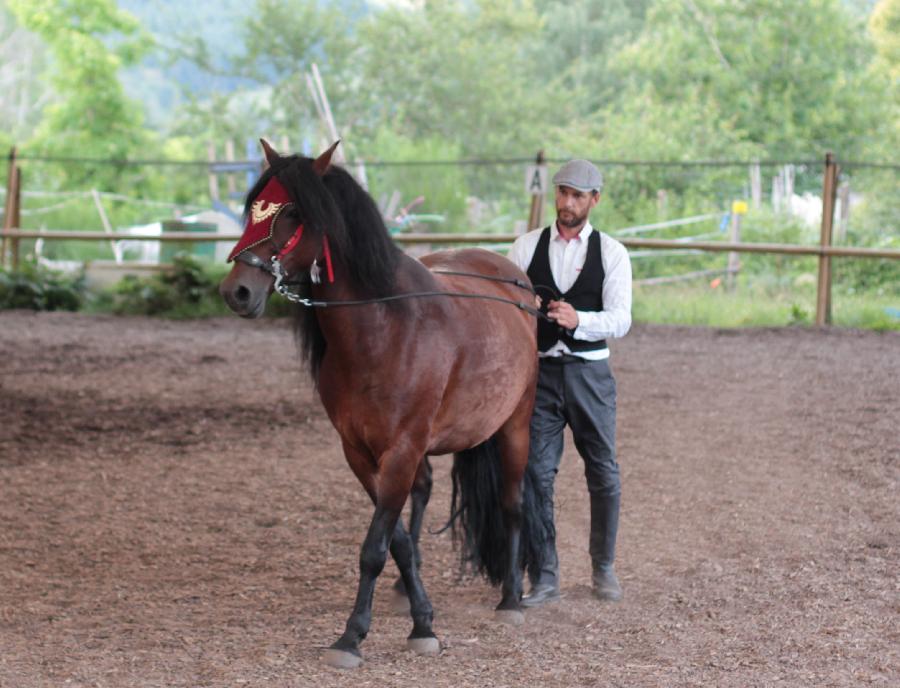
{"type": "Point", "coordinates": [604, 525]}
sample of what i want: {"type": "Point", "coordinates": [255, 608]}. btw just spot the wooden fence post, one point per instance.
{"type": "Point", "coordinates": [829, 192]}
{"type": "Point", "coordinates": [536, 214]}
{"type": "Point", "coordinates": [756, 185]}
{"type": "Point", "coordinates": [12, 215]}
{"type": "Point", "coordinates": [8, 211]}
{"type": "Point", "coordinates": [229, 178]}
{"type": "Point", "coordinates": [213, 176]}
{"type": "Point", "coordinates": [16, 215]}
{"type": "Point", "coordinates": [738, 208]}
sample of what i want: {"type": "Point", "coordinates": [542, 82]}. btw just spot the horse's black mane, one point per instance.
{"type": "Point", "coordinates": [338, 207]}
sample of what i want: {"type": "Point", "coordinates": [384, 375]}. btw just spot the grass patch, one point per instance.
{"type": "Point", "coordinates": [760, 305]}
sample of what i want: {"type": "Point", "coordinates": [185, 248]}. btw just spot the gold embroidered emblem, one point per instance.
{"type": "Point", "coordinates": [262, 210]}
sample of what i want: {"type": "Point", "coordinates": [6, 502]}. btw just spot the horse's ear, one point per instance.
{"type": "Point", "coordinates": [271, 153]}
{"type": "Point", "coordinates": [320, 164]}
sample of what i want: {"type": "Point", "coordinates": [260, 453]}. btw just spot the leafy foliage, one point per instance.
{"type": "Point", "coordinates": [188, 290]}
{"type": "Point", "coordinates": [37, 288]}
{"type": "Point", "coordinates": [788, 77]}
{"type": "Point", "coordinates": [676, 80]}
{"type": "Point", "coordinates": [86, 83]}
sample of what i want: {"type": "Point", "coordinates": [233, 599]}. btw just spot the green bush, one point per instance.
{"type": "Point", "coordinates": [188, 290]}
{"type": "Point", "coordinates": [37, 288]}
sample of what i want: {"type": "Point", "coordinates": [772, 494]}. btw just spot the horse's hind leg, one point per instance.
{"type": "Point", "coordinates": [421, 493]}
{"type": "Point", "coordinates": [512, 442]}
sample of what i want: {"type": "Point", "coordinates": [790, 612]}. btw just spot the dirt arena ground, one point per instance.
{"type": "Point", "coordinates": [175, 511]}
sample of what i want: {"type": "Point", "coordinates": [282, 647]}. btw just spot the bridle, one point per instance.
{"type": "Point", "coordinates": [275, 267]}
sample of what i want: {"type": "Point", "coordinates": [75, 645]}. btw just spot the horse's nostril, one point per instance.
{"type": "Point", "coordinates": [242, 294]}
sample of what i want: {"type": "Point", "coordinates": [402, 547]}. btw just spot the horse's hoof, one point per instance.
{"type": "Point", "coordinates": [341, 659]}
{"type": "Point", "coordinates": [511, 617]}
{"type": "Point", "coordinates": [424, 646]}
{"type": "Point", "coordinates": [399, 603]}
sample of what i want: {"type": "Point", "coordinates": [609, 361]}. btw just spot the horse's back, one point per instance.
{"type": "Point", "coordinates": [460, 271]}
{"type": "Point", "coordinates": [474, 260]}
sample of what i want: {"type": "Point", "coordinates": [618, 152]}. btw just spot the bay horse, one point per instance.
{"type": "Point", "coordinates": [411, 359]}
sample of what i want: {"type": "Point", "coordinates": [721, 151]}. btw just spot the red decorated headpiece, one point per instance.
{"type": "Point", "coordinates": [263, 213]}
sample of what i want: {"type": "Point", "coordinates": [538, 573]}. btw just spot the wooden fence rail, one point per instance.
{"type": "Point", "coordinates": [452, 238]}
{"type": "Point", "coordinates": [825, 251]}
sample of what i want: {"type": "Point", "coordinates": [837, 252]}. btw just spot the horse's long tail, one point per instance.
{"type": "Point", "coordinates": [476, 506]}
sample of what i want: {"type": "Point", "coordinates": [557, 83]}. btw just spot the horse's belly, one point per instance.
{"type": "Point", "coordinates": [473, 413]}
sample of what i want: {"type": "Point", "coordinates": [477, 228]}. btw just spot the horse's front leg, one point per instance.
{"type": "Point", "coordinates": [422, 639]}
{"type": "Point", "coordinates": [388, 482]}
{"type": "Point", "coordinates": [345, 652]}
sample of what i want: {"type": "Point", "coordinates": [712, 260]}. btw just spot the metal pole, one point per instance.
{"type": "Point", "coordinates": [829, 191]}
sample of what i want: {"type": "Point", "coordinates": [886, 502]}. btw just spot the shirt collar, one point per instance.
{"type": "Point", "coordinates": [582, 235]}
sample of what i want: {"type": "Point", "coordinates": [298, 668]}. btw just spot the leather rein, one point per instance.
{"type": "Point", "coordinates": [276, 269]}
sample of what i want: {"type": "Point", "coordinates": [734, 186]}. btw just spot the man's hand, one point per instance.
{"type": "Point", "coordinates": [564, 314]}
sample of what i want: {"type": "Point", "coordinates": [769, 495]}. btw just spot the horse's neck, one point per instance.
{"type": "Point", "coordinates": [409, 276]}
{"type": "Point", "coordinates": [369, 327]}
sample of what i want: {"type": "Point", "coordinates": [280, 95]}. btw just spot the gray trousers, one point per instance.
{"type": "Point", "coordinates": [582, 395]}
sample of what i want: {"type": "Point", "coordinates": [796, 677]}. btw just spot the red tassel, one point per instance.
{"type": "Point", "coordinates": [328, 265]}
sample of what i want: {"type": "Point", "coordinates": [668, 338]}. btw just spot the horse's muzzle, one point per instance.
{"type": "Point", "coordinates": [241, 299]}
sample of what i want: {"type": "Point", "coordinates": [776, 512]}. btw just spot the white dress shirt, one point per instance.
{"type": "Point", "coordinates": [566, 261]}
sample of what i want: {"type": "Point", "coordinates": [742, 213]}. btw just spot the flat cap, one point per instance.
{"type": "Point", "coordinates": [579, 174]}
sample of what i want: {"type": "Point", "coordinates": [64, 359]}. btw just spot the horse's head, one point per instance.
{"type": "Point", "coordinates": [279, 243]}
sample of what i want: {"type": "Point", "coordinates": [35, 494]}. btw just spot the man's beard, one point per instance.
{"type": "Point", "coordinates": [574, 221]}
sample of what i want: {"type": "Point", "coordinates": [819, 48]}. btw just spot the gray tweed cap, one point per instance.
{"type": "Point", "coordinates": [579, 174]}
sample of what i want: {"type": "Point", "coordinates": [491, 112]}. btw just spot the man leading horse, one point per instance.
{"type": "Point", "coordinates": [584, 279]}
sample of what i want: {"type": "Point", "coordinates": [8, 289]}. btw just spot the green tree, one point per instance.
{"type": "Point", "coordinates": [462, 71]}
{"type": "Point", "coordinates": [21, 55]}
{"type": "Point", "coordinates": [579, 39]}
{"type": "Point", "coordinates": [884, 25]}
{"type": "Point", "coordinates": [91, 115]}
{"type": "Point", "coordinates": [789, 77]}
{"type": "Point", "coordinates": [281, 41]}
